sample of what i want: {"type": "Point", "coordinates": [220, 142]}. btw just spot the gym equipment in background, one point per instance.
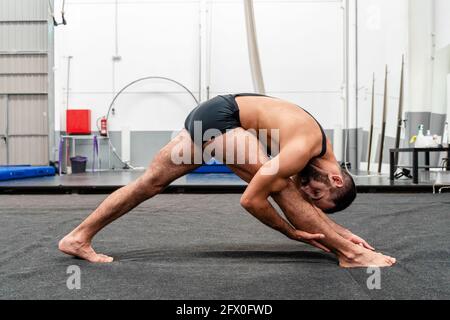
{"type": "Point", "coordinates": [383, 126]}
{"type": "Point", "coordinates": [369, 157]}
{"type": "Point", "coordinates": [24, 172]}
{"type": "Point", "coordinates": [400, 119]}
{"type": "Point", "coordinates": [126, 164]}
{"type": "Point", "coordinates": [213, 166]}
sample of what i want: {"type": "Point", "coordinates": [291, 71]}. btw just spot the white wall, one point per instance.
{"type": "Point", "coordinates": [155, 38]}
{"type": "Point", "coordinates": [383, 39]}
{"type": "Point", "coordinates": [442, 23]}
{"type": "Point", "coordinates": [300, 45]}
{"type": "Point", "coordinates": [421, 27]}
{"type": "Point", "coordinates": [301, 52]}
{"type": "Point", "coordinates": [442, 56]}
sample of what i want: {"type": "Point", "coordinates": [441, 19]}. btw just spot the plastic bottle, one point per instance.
{"type": "Point", "coordinates": [420, 141]}
{"type": "Point", "coordinates": [429, 140]}
{"type": "Point", "coordinates": [420, 134]}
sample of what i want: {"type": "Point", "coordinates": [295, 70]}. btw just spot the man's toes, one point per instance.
{"type": "Point", "coordinates": [391, 259]}
{"type": "Point", "coordinates": [105, 259]}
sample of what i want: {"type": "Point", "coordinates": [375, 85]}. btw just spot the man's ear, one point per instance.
{"type": "Point", "coordinates": [337, 180]}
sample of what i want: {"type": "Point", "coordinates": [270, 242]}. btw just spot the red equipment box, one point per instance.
{"type": "Point", "coordinates": [78, 121]}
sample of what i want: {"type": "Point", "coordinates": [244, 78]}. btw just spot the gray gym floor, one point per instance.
{"type": "Point", "coordinates": [207, 247]}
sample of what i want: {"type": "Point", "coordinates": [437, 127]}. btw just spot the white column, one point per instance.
{"type": "Point", "coordinates": [421, 26]}
{"type": "Point", "coordinates": [203, 50]}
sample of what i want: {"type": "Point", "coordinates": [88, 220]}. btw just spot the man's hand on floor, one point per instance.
{"type": "Point", "coordinates": [357, 240]}
{"type": "Point", "coordinates": [343, 232]}
{"type": "Point", "coordinates": [308, 238]}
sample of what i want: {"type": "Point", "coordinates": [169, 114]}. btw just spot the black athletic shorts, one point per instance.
{"type": "Point", "coordinates": [220, 113]}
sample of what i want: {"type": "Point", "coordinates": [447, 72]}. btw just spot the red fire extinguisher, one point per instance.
{"type": "Point", "coordinates": [104, 127]}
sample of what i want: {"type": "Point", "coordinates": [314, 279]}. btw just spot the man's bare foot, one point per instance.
{"type": "Point", "coordinates": [367, 258]}
{"type": "Point", "coordinates": [83, 250]}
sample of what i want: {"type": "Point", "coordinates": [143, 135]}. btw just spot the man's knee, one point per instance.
{"type": "Point", "coordinates": [151, 183]}
{"type": "Point", "coordinates": [248, 203]}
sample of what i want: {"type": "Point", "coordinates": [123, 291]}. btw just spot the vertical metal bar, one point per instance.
{"type": "Point", "coordinates": [392, 167]}
{"type": "Point", "coordinates": [3, 134]}
{"type": "Point", "coordinates": [357, 164]}
{"type": "Point", "coordinates": [60, 154]}
{"type": "Point", "coordinates": [116, 57]}
{"type": "Point", "coordinates": [109, 153]}
{"type": "Point", "coordinates": [51, 88]}
{"type": "Point", "coordinates": [448, 159]}
{"type": "Point", "coordinates": [98, 154]}
{"type": "Point", "coordinates": [208, 50]}
{"type": "Point", "coordinates": [415, 167]}
{"type": "Point", "coordinates": [400, 112]}
{"type": "Point", "coordinates": [200, 49]}
{"type": "Point", "coordinates": [116, 28]}
{"type": "Point", "coordinates": [427, 161]}
{"type": "Point", "coordinates": [7, 131]}
{"type": "Point", "coordinates": [93, 153]}
{"type": "Point", "coordinates": [69, 58]}
{"type": "Point", "coordinates": [383, 128]}
{"type": "Point", "coordinates": [346, 82]}
{"type": "Point", "coordinates": [372, 119]}
{"type": "Point", "coordinates": [66, 155]}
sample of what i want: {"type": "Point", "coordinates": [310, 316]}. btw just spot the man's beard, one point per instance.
{"type": "Point", "coordinates": [310, 173]}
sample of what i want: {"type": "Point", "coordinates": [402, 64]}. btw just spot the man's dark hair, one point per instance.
{"type": "Point", "coordinates": [343, 197]}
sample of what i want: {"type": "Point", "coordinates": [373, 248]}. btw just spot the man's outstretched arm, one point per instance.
{"type": "Point", "coordinates": [302, 215]}
{"type": "Point", "coordinates": [299, 212]}
{"type": "Point", "coordinates": [269, 216]}
{"type": "Point", "coordinates": [344, 232]}
{"type": "Point", "coordinates": [305, 216]}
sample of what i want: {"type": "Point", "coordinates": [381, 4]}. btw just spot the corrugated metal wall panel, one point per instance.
{"type": "Point", "coordinates": [23, 84]}
{"type": "Point", "coordinates": [3, 156]}
{"type": "Point", "coordinates": [28, 150]}
{"type": "Point", "coordinates": [28, 115]}
{"type": "Point", "coordinates": [2, 153]}
{"type": "Point", "coordinates": [23, 63]}
{"type": "Point", "coordinates": [28, 36]}
{"type": "Point", "coordinates": [23, 10]}
{"type": "Point", "coordinates": [24, 41]}
{"type": "Point", "coordinates": [2, 115]}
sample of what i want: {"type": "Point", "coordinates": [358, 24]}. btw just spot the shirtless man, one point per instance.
{"type": "Point", "coordinates": [301, 175]}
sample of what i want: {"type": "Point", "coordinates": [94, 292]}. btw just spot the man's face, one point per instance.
{"type": "Point", "coordinates": [317, 185]}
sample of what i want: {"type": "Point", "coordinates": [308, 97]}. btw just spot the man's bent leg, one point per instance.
{"type": "Point", "coordinates": [161, 172]}
{"type": "Point", "coordinates": [300, 213]}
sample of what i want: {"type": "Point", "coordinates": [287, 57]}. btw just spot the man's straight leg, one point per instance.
{"type": "Point", "coordinates": [161, 172]}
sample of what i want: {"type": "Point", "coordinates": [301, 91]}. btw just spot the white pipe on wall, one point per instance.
{"type": "Point", "coordinates": [255, 60]}
{"type": "Point", "coordinates": [346, 78]}
{"type": "Point", "coordinates": [448, 97]}
{"type": "Point", "coordinates": [126, 145]}
{"type": "Point", "coordinates": [338, 142]}
{"type": "Point", "coordinates": [203, 51]}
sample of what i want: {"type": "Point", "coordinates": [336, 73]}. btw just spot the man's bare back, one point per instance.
{"type": "Point", "coordinates": [271, 113]}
